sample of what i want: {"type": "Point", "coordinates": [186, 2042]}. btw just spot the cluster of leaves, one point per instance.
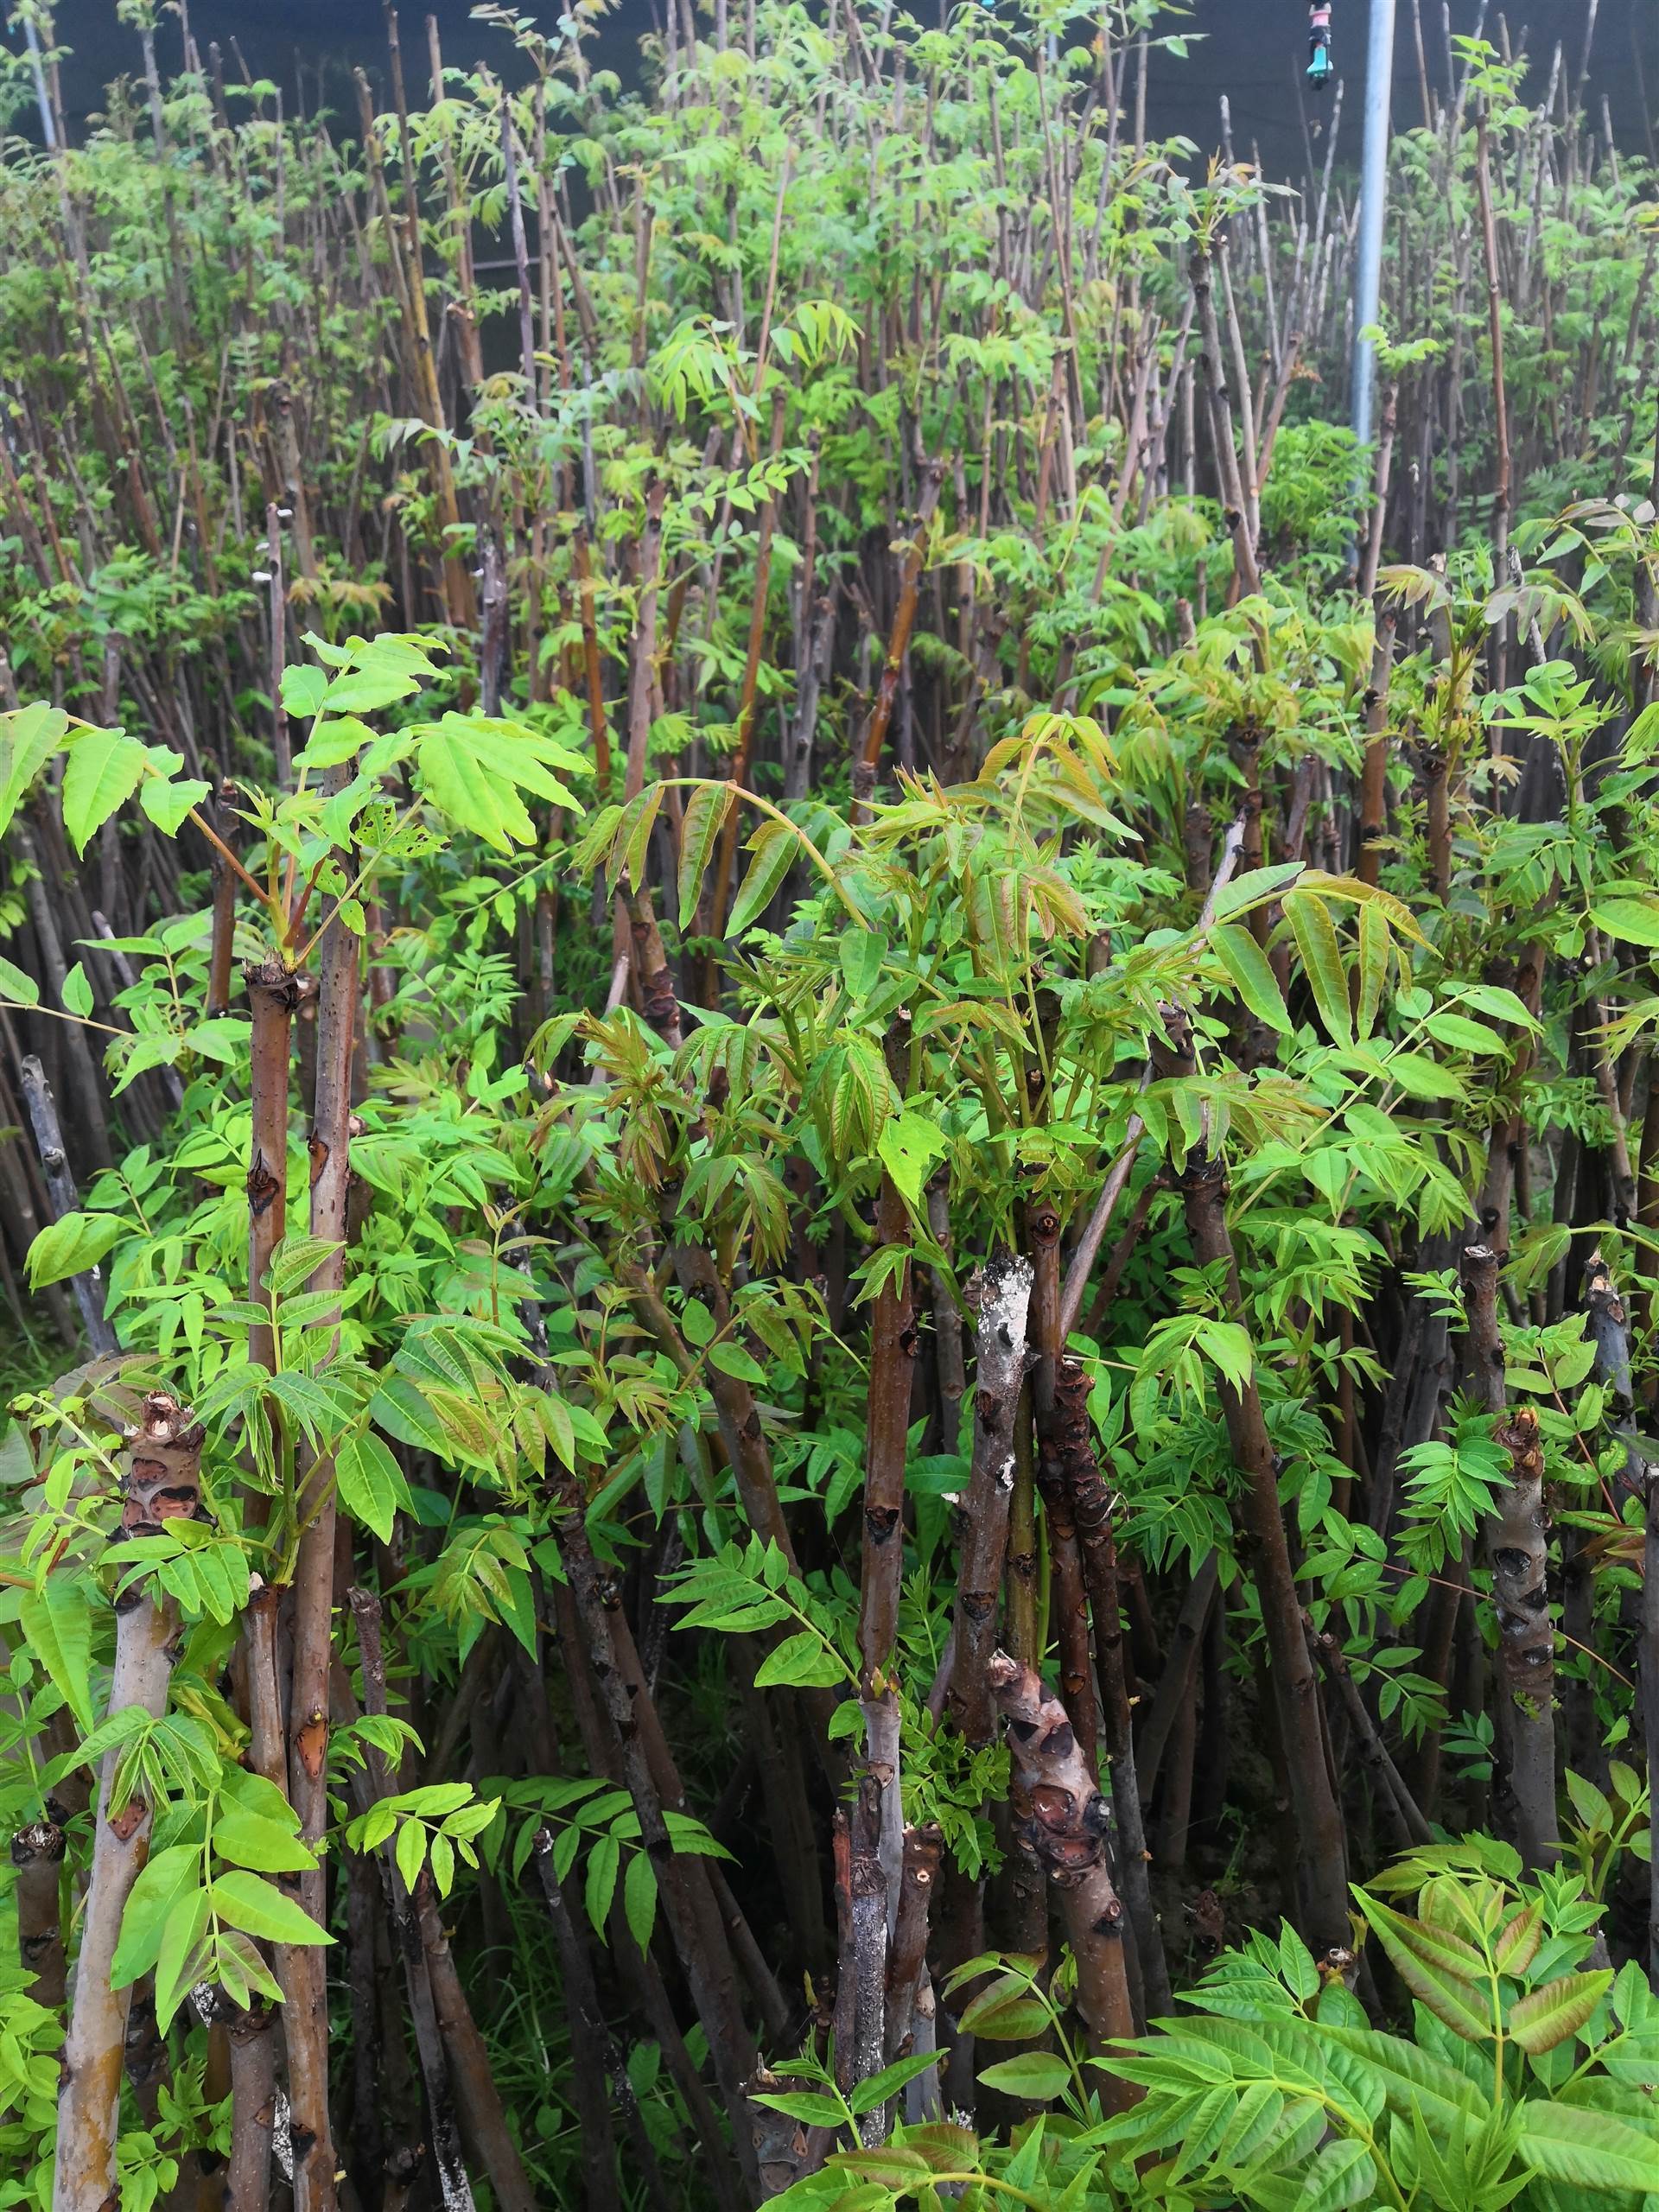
{"type": "Point", "coordinates": [1526, 2079]}
{"type": "Point", "coordinates": [976, 991]}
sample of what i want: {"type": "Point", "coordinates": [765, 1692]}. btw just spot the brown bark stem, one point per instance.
{"type": "Point", "coordinates": [709, 1977]}
{"type": "Point", "coordinates": [1000, 1296]}
{"type": "Point", "coordinates": [163, 1482]}
{"type": "Point", "coordinates": [875, 728]}
{"type": "Point", "coordinates": [892, 1367]}
{"type": "Point", "coordinates": [1062, 1821]}
{"type": "Point", "coordinates": [1291, 1671]}
{"type": "Point", "coordinates": [88, 1286]}
{"type": "Point", "coordinates": [1069, 1453]}
{"type": "Point", "coordinates": [1517, 1552]}
{"type": "Point", "coordinates": [302, 1969]}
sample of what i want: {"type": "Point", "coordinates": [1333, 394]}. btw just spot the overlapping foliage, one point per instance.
{"type": "Point", "coordinates": [923, 1054]}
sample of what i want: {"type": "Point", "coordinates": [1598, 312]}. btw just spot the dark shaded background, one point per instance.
{"type": "Point", "coordinates": [1253, 50]}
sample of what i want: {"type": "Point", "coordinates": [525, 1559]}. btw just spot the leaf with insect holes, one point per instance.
{"type": "Point", "coordinates": [705, 816]}
{"type": "Point", "coordinates": [103, 771]}
{"type": "Point", "coordinates": [911, 1147]}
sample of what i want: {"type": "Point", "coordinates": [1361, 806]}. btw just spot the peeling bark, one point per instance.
{"type": "Point", "coordinates": [163, 1484]}
{"type": "Point", "coordinates": [1062, 1821]}
{"type": "Point", "coordinates": [907, 1954]}
{"type": "Point", "coordinates": [1000, 1296]}
{"type": "Point", "coordinates": [37, 1855]}
{"type": "Point", "coordinates": [1070, 1453]}
{"type": "Point", "coordinates": [253, 2108]}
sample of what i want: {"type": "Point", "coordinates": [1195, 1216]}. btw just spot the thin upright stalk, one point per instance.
{"type": "Point", "coordinates": [892, 1366]}
{"type": "Point", "coordinates": [1076, 1477]}
{"type": "Point", "coordinates": [88, 1284]}
{"type": "Point", "coordinates": [875, 728]}
{"type": "Point", "coordinates": [163, 1484]}
{"type": "Point", "coordinates": [1374, 778]}
{"type": "Point", "coordinates": [371, 1784]}
{"type": "Point", "coordinates": [1650, 1705]}
{"type": "Point", "coordinates": [1291, 1671]}
{"type": "Point", "coordinates": [1500, 522]}
{"type": "Point", "coordinates": [1518, 1551]}
{"type": "Point", "coordinates": [1000, 1297]}
{"type": "Point", "coordinates": [301, 1968]}
{"type": "Point", "coordinates": [709, 1978]}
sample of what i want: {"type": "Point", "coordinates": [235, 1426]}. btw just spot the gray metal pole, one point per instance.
{"type": "Point", "coordinates": [45, 106]}
{"type": "Point", "coordinates": [1373, 205]}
